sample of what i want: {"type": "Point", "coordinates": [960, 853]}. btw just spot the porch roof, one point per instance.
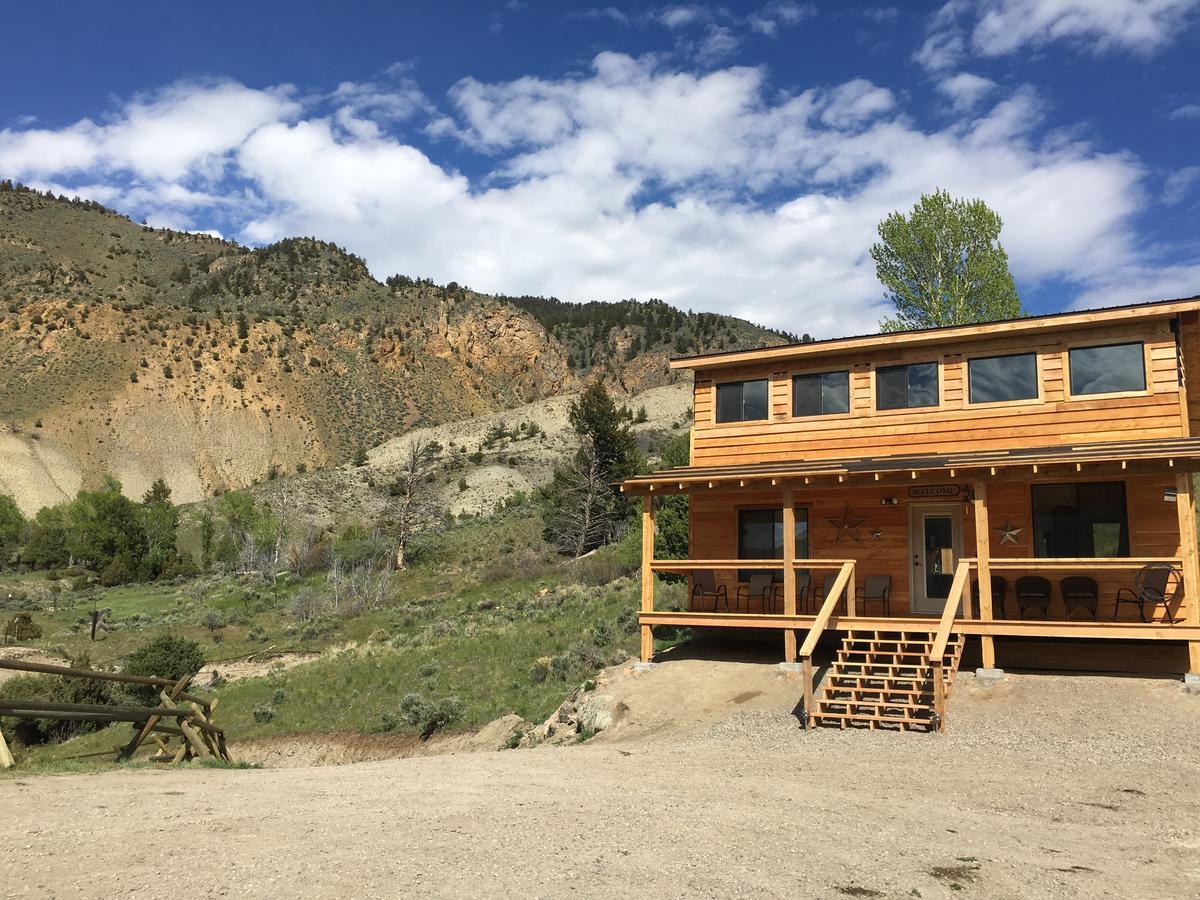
{"type": "Point", "coordinates": [1181, 454]}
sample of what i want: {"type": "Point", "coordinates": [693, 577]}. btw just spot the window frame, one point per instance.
{"type": "Point", "coordinates": [716, 402]}
{"type": "Point", "coordinates": [742, 576]}
{"type": "Point", "coordinates": [1147, 382]}
{"type": "Point", "coordinates": [876, 409]}
{"type": "Point", "coordinates": [1128, 531]}
{"type": "Point", "coordinates": [1040, 397]}
{"type": "Point", "coordinates": [793, 375]}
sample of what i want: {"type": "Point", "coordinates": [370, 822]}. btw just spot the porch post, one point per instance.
{"type": "Point", "coordinates": [647, 573]}
{"type": "Point", "coordinates": [1189, 553]}
{"type": "Point", "coordinates": [789, 572]}
{"type": "Point", "coordinates": [983, 546]}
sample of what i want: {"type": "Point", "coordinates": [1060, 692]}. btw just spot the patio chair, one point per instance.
{"type": "Point", "coordinates": [999, 592]}
{"type": "Point", "coordinates": [704, 586]}
{"type": "Point", "coordinates": [804, 593]}
{"type": "Point", "coordinates": [876, 588]}
{"type": "Point", "coordinates": [1150, 588]}
{"type": "Point", "coordinates": [826, 587]}
{"type": "Point", "coordinates": [1080, 592]}
{"type": "Point", "coordinates": [762, 585]}
{"type": "Point", "coordinates": [1033, 592]}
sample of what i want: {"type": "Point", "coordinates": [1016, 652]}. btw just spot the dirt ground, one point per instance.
{"type": "Point", "coordinates": [705, 786]}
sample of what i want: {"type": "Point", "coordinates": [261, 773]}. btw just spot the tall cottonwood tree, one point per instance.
{"type": "Point", "coordinates": [943, 264]}
{"type": "Point", "coordinates": [413, 507]}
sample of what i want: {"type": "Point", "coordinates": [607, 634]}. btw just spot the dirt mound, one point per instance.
{"type": "Point", "coordinates": [27, 654]}
{"type": "Point", "coordinates": [340, 748]}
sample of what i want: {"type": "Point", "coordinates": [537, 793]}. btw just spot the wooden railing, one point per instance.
{"type": "Point", "coordinates": [937, 652]}
{"type": "Point", "coordinates": [687, 566]}
{"type": "Point", "coordinates": [844, 580]}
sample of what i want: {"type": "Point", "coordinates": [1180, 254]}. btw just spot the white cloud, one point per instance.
{"type": "Point", "coordinates": [993, 28]}
{"type": "Point", "coordinates": [718, 44]}
{"type": "Point", "coordinates": [966, 90]}
{"type": "Point", "coordinates": [1179, 183]}
{"type": "Point", "coordinates": [1187, 111]}
{"type": "Point", "coordinates": [774, 16]}
{"type": "Point", "coordinates": [711, 190]}
{"type": "Point", "coordinates": [679, 16]}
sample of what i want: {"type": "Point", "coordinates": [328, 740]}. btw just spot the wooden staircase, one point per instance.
{"type": "Point", "coordinates": [885, 679]}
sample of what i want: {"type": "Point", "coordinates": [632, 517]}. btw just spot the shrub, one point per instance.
{"type": "Point", "coordinates": [306, 605]}
{"type": "Point", "coordinates": [257, 633]}
{"type": "Point", "coordinates": [119, 571]}
{"type": "Point", "coordinates": [426, 715]}
{"type": "Point", "coordinates": [540, 670]}
{"type": "Point", "coordinates": [164, 657]}
{"type": "Point", "coordinates": [278, 696]}
{"type": "Point", "coordinates": [627, 620]}
{"type": "Point", "coordinates": [264, 713]}
{"type": "Point", "coordinates": [560, 666]}
{"type": "Point", "coordinates": [54, 689]}
{"type": "Point", "coordinates": [428, 669]}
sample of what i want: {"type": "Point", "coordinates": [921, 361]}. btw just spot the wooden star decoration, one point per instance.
{"type": "Point", "coordinates": [1008, 532]}
{"type": "Point", "coordinates": [848, 525]}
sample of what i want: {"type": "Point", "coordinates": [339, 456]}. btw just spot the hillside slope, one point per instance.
{"type": "Point", "coordinates": [149, 353]}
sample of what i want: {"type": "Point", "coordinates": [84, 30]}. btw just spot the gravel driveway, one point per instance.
{"type": "Point", "coordinates": [1044, 787]}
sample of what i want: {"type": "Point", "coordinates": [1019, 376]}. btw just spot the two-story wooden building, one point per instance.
{"type": "Point", "coordinates": [1022, 488]}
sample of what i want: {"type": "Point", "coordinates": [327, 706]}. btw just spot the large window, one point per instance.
{"type": "Point", "coordinates": [902, 387]}
{"type": "Point", "coordinates": [1107, 370]}
{"type": "Point", "coordinates": [818, 395]}
{"type": "Point", "coordinates": [1080, 520]}
{"type": "Point", "coordinates": [760, 536]}
{"type": "Point", "coordinates": [742, 401]}
{"type": "Point", "coordinates": [993, 379]}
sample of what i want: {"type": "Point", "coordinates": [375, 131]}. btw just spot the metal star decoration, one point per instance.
{"type": "Point", "coordinates": [1008, 532]}
{"type": "Point", "coordinates": [848, 525]}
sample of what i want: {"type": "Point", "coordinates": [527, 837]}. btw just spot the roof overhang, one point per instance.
{"type": "Point", "coordinates": [929, 336]}
{"type": "Point", "coordinates": [1171, 454]}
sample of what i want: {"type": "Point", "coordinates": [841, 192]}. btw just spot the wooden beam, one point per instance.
{"type": "Point", "coordinates": [983, 555]}
{"type": "Point", "coordinates": [647, 574]}
{"type": "Point", "coordinates": [1189, 552]}
{"type": "Point", "coordinates": [789, 572]}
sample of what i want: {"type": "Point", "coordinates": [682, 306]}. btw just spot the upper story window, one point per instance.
{"type": "Point", "coordinates": [821, 395]}
{"type": "Point", "coordinates": [1107, 370]}
{"type": "Point", "coordinates": [993, 379]}
{"type": "Point", "coordinates": [742, 401]}
{"type": "Point", "coordinates": [903, 387]}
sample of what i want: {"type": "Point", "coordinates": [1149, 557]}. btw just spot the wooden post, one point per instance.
{"type": "Point", "coordinates": [789, 572]}
{"type": "Point", "coordinates": [647, 574]}
{"type": "Point", "coordinates": [6, 759]}
{"type": "Point", "coordinates": [852, 592]}
{"type": "Point", "coordinates": [983, 552]}
{"type": "Point", "coordinates": [1189, 554]}
{"type": "Point", "coordinates": [808, 692]}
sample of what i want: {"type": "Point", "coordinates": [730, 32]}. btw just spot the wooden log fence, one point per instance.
{"type": "Point", "coordinates": [188, 717]}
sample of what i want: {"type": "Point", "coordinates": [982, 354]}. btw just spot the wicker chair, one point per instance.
{"type": "Point", "coordinates": [1150, 587]}
{"type": "Point", "coordinates": [1033, 592]}
{"type": "Point", "coordinates": [704, 586]}
{"type": "Point", "coordinates": [999, 593]}
{"type": "Point", "coordinates": [1080, 592]}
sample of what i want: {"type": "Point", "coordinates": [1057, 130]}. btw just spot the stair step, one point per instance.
{"type": "Point", "coordinates": [844, 719]}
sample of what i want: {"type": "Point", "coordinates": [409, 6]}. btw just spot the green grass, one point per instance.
{"type": "Point", "coordinates": [484, 602]}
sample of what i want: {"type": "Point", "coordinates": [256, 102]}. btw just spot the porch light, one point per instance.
{"type": "Point", "coordinates": [888, 501]}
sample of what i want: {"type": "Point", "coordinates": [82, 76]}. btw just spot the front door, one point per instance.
{"type": "Point", "coordinates": [935, 544]}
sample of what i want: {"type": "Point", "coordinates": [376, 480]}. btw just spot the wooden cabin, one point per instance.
{"type": "Point", "coordinates": [1021, 490]}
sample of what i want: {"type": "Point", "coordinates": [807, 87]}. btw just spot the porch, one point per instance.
{"type": "Point", "coordinates": [951, 540]}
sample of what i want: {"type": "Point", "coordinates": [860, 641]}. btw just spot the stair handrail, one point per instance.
{"type": "Point", "coordinates": [937, 652]}
{"type": "Point", "coordinates": [844, 577]}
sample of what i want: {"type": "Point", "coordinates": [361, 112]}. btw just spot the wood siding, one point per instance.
{"type": "Point", "coordinates": [1153, 532]}
{"type": "Point", "coordinates": [1163, 410]}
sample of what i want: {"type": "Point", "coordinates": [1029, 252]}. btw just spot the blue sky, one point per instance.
{"type": "Point", "coordinates": [733, 158]}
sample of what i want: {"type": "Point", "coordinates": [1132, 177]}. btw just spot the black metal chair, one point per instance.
{"type": "Point", "coordinates": [704, 586]}
{"type": "Point", "coordinates": [1033, 592]}
{"type": "Point", "coordinates": [826, 587]}
{"type": "Point", "coordinates": [804, 592]}
{"type": "Point", "coordinates": [762, 585]}
{"type": "Point", "coordinates": [1150, 588]}
{"type": "Point", "coordinates": [999, 593]}
{"type": "Point", "coordinates": [876, 588]}
{"type": "Point", "coordinates": [1080, 592]}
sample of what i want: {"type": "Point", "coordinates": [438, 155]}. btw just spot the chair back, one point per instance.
{"type": "Point", "coordinates": [1152, 579]}
{"type": "Point", "coordinates": [760, 582]}
{"type": "Point", "coordinates": [875, 586]}
{"type": "Point", "coordinates": [1079, 587]}
{"type": "Point", "coordinates": [827, 584]}
{"type": "Point", "coordinates": [704, 580]}
{"type": "Point", "coordinates": [999, 588]}
{"type": "Point", "coordinates": [1033, 586]}
{"type": "Point", "coordinates": [804, 586]}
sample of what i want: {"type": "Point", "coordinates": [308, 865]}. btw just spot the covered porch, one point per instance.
{"type": "Point", "coordinates": [1054, 543]}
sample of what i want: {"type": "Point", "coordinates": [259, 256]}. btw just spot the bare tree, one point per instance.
{"type": "Point", "coordinates": [584, 518]}
{"type": "Point", "coordinates": [414, 507]}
